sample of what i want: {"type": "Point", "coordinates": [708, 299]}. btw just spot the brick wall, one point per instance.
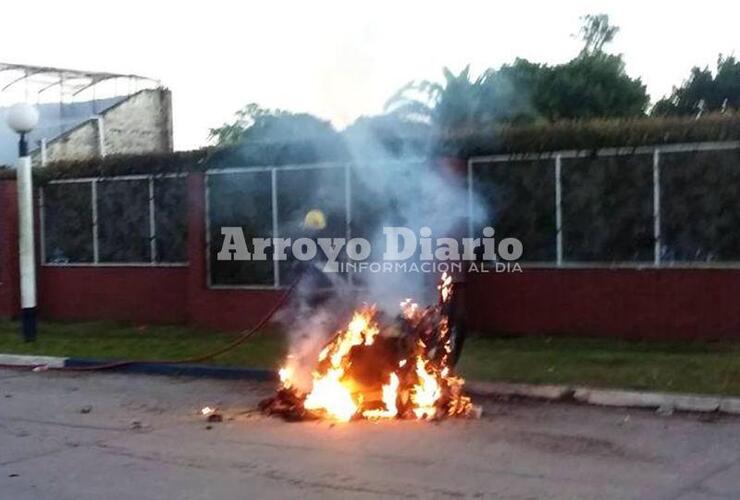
{"type": "Point", "coordinates": [9, 271]}
{"type": "Point", "coordinates": [633, 304]}
{"type": "Point", "coordinates": [651, 304]}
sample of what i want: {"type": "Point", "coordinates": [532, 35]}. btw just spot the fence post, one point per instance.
{"type": "Point", "coordinates": [275, 228]}
{"type": "Point", "coordinates": [656, 207]}
{"type": "Point", "coordinates": [42, 229]}
{"type": "Point", "coordinates": [347, 202]}
{"type": "Point", "coordinates": [470, 198]}
{"type": "Point", "coordinates": [152, 224]}
{"type": "Point", "coordinates": [558, 210]}
{"type": "Point", "coordinates": [94, 205]}
{"type": "Point", "coordinates": [348, 211]}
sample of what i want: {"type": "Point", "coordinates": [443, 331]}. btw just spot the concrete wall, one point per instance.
{"type": "Point", "coordinates": [141, 123]}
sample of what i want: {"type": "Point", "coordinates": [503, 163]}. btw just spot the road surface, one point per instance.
{"type": "Point", "coordinates": [116, 437]}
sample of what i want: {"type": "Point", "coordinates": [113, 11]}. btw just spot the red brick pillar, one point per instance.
{"type": "Point", "coordinates": [9, 271]}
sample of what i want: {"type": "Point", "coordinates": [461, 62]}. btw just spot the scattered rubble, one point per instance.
{"type": "Point", "coordinates": [212, 415]}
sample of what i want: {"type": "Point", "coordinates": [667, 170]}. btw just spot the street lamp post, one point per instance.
{"type": "Point", "coordinates": [23, 118]}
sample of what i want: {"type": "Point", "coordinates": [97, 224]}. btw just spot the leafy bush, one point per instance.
{"type": "Point", "coordinates": [239, 200]}
{"type": "Point", "coordinates": [590, 135]}
{"type": "Point", "coordinates": [580, 135]}
{"type": "Point", "coordinates": [518, 199]}
{"type": "Point", "coordinates": [700, 207]}
{"type": "Point", "coordinates": [608, 209]}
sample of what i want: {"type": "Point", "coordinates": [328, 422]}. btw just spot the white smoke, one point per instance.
{"type": "Point", "coordinates": [404, 188]}
{"type": "Point", "coordinates": [410, 190]}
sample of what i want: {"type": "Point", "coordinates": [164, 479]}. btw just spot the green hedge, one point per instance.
{"type": "Point", "coordinates": [518, 200]}
{"type": "Point", "coordinates": [607, 206]}
{"type": "Point", "coordinates": [608, 209]}
{"type": "Point", "coordinates": [191, 161]}
{"type": "Point", "coordinates": [565, 135]}
{"type": "Point", "coordinates": [113, 165]}
{"type": "Point", "coordinates": [700, 205]}
{"type": "Point", "coordinates": [591, 135]}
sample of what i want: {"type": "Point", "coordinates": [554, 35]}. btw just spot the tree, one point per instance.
{"type": "Point", "coordinates": [704, 91]}
{"type": "Point", "coordinates": [255, 124]}
{"type": "Point", "coordinates": [509, 94]}
{"type": "Point", "coordinates": [460, 102]}
{"type": "Point", "coordinates": [388, 135]}
{"type": "Point", "coordinates": [596, 32]}
{"type": "Point", "coordinates": [593, 85]}
{"type": "Point", "coordinates": [452, 103]}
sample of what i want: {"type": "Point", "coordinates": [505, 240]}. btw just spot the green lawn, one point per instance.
{"type": "Point", "coordinates": [662, 366]}
{"type": "Point", "coordinates": [106, 340]}
{"type": "Point", "coordinates": [677, 367]}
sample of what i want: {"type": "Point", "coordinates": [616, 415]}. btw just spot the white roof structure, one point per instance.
{"type": "Point", "coordinates": [45, 78]}
{"type": "Point", "coordinates": [64, 97]}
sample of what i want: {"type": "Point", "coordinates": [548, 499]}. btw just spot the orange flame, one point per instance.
{"type": "Point", "coordinates": [426, 393]}
{"type": "Point", "coordinates": [423, 389]}
{"type": "Point", "coordinates": [331, 395]}
{"type": "Point", "coordinates": [390, 395]}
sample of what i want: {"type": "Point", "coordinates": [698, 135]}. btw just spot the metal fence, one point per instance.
{"type": "Point", "coordinates": [662, 206]}
{"type": "Point", "coordinates": [269, 202]}
{"type": "Point", "coordinates": [129, 220]}
{"type": "Point", "coordinates": [666, 206]}
{"type": "Point", "coordinates": [263, 202]}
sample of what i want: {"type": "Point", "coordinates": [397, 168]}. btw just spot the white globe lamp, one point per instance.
{"type": "Point", "coordinates": [22, 117]}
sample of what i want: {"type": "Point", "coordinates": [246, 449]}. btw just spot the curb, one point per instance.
{"type": "Point", "coordinates": [32, 360]}
{"type": "Point", "coordinates": [609, 397]}
{"type": "Point", "coordinates": [664, 402]}
{"type": "Point", "coordinates": [193, 370]}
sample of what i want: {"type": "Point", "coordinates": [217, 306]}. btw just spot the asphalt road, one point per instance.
{"type": "Point", "coordinates": [107, 436]}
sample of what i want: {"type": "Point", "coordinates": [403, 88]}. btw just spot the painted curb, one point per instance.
{"type": "Point", "coordinates": [25, 360]}
{"type": "Point", "coordinates": [609, 397]}
{"type": "Point", "coordinates": [192, 370]}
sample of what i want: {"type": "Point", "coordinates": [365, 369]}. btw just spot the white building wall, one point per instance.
{"type": "Point", "coordinates": [141, 123]}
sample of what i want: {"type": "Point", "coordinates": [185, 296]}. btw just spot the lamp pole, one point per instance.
{"type": "Point", "coordinates": [23, 118]}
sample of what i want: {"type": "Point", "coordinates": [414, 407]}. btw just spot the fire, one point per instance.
{"type": "Point", "coordinates": [390, 394]}
{"type": "Point", "coordinates": [425, 393]}
{"type": "Point", "coordinates": [330, 394]}
{"type": "Point", "coordinates": [377, 371]}
{"type": "Point", "coordinates": [445, 287]}
{"type": "Point", "coordinates": [285, 373]}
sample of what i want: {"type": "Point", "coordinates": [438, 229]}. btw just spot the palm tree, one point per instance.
{"type": "Point", "coordinates": [454, 103]}
{"type": "Point", "coordinates": [460, 103]}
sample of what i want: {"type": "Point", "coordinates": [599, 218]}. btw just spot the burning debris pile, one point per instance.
{"type": "Point", "coordinates": [375, 368]}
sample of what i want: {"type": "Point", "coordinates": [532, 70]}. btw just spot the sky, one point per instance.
{"type": "Point", "coordinates": [340, 59]}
